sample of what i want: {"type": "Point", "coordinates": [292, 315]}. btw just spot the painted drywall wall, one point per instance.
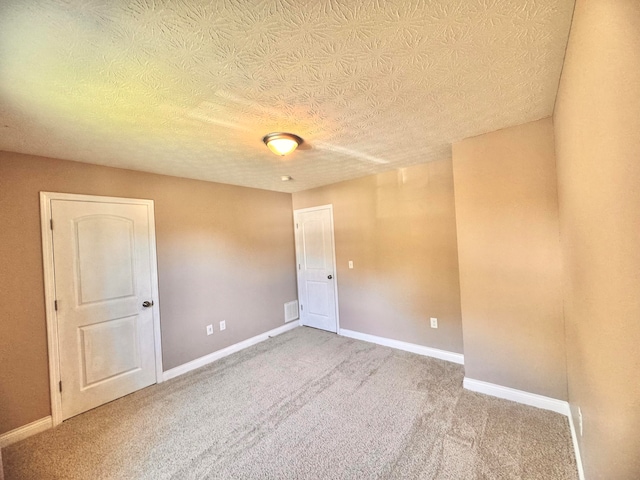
{"type": "Point", "coordinates": [597, 127]}
{"type": "Point", "coordinates": [509, 254]}
{"type": "Point", "coordinates": [399, 230]}
{"type": "Point", "coordinates": [224, 253]}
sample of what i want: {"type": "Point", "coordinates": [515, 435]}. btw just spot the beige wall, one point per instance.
{"type": "Point", "coordinates": [597, 121]}
{"type": "Point", "coordinates": [509, 253]}
{"type": "Point", "coordinates": [224, 253]}
{"type": "Point", "coordinates": [399, 230]}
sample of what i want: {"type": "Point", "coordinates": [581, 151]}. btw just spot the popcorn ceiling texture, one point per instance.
{"type": "Point", "coordinates": [189, 88]}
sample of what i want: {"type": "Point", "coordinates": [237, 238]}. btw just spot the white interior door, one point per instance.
{"type": "Point", "coordinates": [316, 267]}
{"type": "Point", "coordinates": [102, 256]}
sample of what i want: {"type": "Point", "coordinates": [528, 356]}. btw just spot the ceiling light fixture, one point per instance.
{"type": "Point", "coordinates": [282, 143]}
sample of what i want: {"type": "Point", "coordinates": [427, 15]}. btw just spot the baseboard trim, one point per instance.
{"type": "Point", "coordinates": [519, 396]}
{"type": "Point", "coordinates": [576, 447]}
{"type": "Point", "coordinates": [408, 347]}
{"type": "Point", "coordinates": [212, 357]}
{"type": "Point", "coordinates": [25, 431]}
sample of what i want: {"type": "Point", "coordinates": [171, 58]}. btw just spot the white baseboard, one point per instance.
{"type": "Point", "coordinates": [408, 347]}
{"type": "Point", "coordinates": [576, 447]}
{"type": "Point", "coordinates": [519, 396]}
{"type": "Point", "coordinates": [25, 431]}
{"type": "Point", "coordinates": [212, 357]}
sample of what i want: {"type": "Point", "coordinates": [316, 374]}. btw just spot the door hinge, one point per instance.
{"type": "Point", "coordinates": [298, 266]}
{"type": "Point", "coordinates": [60, 385]}
{"type": "Point", "coordinates": [55, 305]}
{"type": "Point", "coordinates": [296, 225]}
{"type": "Point", "coordinates": [301, 307]}
{"type": "Point", "coordinates": [51, 223]}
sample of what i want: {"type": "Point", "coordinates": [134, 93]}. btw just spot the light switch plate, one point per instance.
{"type": "Point", "coordinates": [223, 325]}
{"type": "Point", "coordinates": [209, 329]}
{"type": "Point", "coordinates": [350, 263]}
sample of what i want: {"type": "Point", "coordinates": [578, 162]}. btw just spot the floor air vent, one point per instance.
{"type": "Point", "coordinates": [291, 311]}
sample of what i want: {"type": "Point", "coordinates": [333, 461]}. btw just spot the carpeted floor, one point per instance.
{"type": "Point", "coordinates": [305, 405]}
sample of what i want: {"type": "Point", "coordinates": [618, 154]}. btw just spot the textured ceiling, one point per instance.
{"type": "Point", "coordinates": [189, 88]}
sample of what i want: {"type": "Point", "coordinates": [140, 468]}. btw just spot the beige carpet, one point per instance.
{"type": "Point", "coordinates": [305, 405]}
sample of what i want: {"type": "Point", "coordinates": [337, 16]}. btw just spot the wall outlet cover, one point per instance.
{"type": "Point", "coordinates": [223, 325]}
{"type": "Point", "coordinates": [209, 329]}
{"type": "Point", "coordinates": [434, 322]}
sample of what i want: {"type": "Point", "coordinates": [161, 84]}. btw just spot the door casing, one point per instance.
{"type": "Point", "coordinates": [49, 287]}
{"type": "Point", "coordinates": [335, 265]}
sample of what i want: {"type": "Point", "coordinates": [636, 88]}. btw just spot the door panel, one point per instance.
{"type": "Point", "coordinates": [313, 245]}
{"type": "Point", "coordinates": [316, 269]}
{"type": "Point", "coordinates": [109, 349]}
{"type": "Point", "coordinates": [318, 298]}
{"type": "Point", "coordinates": [102, 265]}
{"type": "Point", "coordinates": [104, 255]}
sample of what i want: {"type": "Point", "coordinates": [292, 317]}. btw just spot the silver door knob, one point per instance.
{"type": "Point", "coordinates": [147, 304]}
{"type": "Point", "coordinates": [330, 277]}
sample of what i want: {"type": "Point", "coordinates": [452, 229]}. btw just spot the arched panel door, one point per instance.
{"type": "Point", "coordinates": [103, 290]}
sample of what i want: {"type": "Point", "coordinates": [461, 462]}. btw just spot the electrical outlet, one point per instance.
{"type": "Point", "coordinates": [350, 263]}
{"type": "Point", "coordinates": [434, 322]}
{"type": "Point", "coordinates": [209, 329]}
{"type": "Point", "coordinates": [223, 325]}
{"type": "Point", "coordinates": [580, 419]}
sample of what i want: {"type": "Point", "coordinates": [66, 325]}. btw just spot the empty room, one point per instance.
{"type": "Point", "coordinates": [282, 239]}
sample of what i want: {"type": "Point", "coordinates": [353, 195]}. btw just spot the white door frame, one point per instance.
{"type": "Point", "coordinates": [50, 287]}
{"type": "Point", "coordinates": [333, 244]}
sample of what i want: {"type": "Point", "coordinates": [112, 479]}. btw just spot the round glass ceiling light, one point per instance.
{"type": "Point", "coordinates": [282, 143]}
